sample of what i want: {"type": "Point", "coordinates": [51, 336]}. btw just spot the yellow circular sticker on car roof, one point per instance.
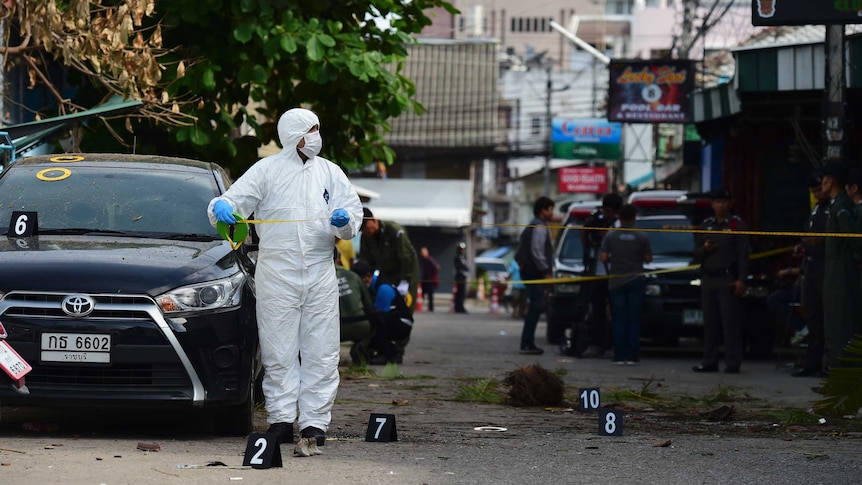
{"type": "Point", "coordinates": [67, 158]}
{"type": "Point", "coordinates": [45, 174]}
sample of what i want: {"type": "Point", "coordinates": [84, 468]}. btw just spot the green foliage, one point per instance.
{"type": "Point", "coordinates": [252, 60]}
{"type": "Point", "coordinates": [480, 390]}
{"type": "Point", "coordinates": [843, 386]}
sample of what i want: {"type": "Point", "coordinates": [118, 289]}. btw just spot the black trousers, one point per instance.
{"type": "Point", "coordinates": [812, 302]}
{"type": "Point", "coordinates": [722, 315]}
{"type": "Point", "coordinates": [460, 294]}
{"type": "Point", "coordinates": [599, 326]}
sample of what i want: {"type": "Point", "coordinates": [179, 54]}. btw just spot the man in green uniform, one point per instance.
{"type": "Point", "coordinates": [386, 246]}
{"type": "Point", "coordinates": [841, 284]}
{"type": "Point", "coordinates": [354, 304]}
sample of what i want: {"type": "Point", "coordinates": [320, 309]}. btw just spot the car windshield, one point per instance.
{"type": "Point", "coordinates": [669, 243]}
{"type": "Point", "coordinates": [488, 266]}
{"type": "Point", "coordinates": [92, 198]}
{"type": "Point", "coordinates": [571, 246]}
{"type": "Point", "coordinates": [662, 243]}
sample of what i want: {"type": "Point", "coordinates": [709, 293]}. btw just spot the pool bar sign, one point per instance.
{"type": "Point", "coordinates": [805, 12]}
{"type": "Point", "coordinates": [589, 180]}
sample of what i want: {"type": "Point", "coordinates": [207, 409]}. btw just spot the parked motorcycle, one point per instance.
{"type": "Point", "coordinates": [13, 365]}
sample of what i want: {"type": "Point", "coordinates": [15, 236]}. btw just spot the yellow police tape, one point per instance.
{"type": "Point", "coordinates": [578, 279]}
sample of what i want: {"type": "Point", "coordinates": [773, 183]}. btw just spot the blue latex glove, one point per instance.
{"type": "Point", "coordinates": [224, 212]}
{"type": "Point", "coordinates": [339, 218]}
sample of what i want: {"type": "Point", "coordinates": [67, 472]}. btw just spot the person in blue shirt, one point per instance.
{"type": "Point", "coordinates": [392, 319]}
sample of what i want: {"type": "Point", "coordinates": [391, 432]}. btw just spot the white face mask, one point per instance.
{"type": "Point", "coordinates": [313, 144]}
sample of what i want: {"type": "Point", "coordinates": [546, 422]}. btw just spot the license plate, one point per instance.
{"type": "Point", "coordinates": [12, 363]}
{"type": "Point", "coordinates": [691, 316]}
{"type": "Point", "coordinates": [76, 347]}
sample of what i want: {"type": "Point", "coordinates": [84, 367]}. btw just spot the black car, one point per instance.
{"type": "Point", "coordinates": [672, 303]}
{"type": "Point", "coordinates": [116, 288]}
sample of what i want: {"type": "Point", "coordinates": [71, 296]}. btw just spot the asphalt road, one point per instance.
{"type": "Point", "coordinates": [437, 437]}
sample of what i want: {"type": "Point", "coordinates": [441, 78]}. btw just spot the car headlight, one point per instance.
{"type": "Point", "coordinates": [756, 292]}
{"type": "Point", "coordinates": [223, 293]}
{"type": "Point", "coordinates": [570, 288]}
{"type": "Point", "coordinates": [652, 290]}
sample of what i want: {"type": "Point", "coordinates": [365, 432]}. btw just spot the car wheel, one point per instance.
{"type": "Point", "coordinates": [237, 420]}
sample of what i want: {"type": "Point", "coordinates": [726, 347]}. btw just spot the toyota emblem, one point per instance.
{"type": "Point", "coordinates": [78, 305]}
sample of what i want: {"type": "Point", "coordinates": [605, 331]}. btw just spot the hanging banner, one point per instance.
{"type": "Point", "coordinates": [590, 180]}
{"type": "Point", "coordinates": [805, 12]}
{"type": "Point", "coordinates": [653, 91]}
{"type": "Point", "coordinates": [585, 139]}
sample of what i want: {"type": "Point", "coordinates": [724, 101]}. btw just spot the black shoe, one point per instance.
{"type": "Point", "coordinates": [705, 368]}
{"type": "Point", "coordinates": [807, 373]}
{"type": "Point", "coordinates": [531, 350]}
{"type": "Point", "coordinates": [731, 370]}
{"type": "Point", "coordinates": [318, 434]}
{"type": "Point", "coordinates": [284, 431]}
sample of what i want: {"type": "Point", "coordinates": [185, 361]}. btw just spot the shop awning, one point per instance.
{"type": "Point", "coordinates": [714, 103]}
{"type": "Point", "coordinates": [420, 202]}
{"type": "Point", "coordinates": [114, 107]}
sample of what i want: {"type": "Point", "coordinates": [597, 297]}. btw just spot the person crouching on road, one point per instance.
{"type": "Point", "coordinates": [626, 251]}
{"type": "Point", "coordinates": [297, 292]}
{"type": "Point", "coordinates": [391, 319]}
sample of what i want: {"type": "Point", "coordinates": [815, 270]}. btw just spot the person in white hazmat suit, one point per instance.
{"type": "Point", "coordinates": [296, 287]}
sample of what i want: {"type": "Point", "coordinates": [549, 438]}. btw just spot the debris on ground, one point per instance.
{"type": "Point", "coordinates": [534, 385]}
{"type": "Point", "coordinates": [662, 443]}
{"type": "Point", "coordinates": [722, 413]}
{"type": "Point", "coordinates": [149, 446]}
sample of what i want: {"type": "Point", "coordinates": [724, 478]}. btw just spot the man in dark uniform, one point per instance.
{"type": "Point", "coordinates": [724, 267]}
{"type": "Point", "coordinates": [461, 271]}
{"type": "Point", "coordinates": [812, 282]}
{"type": "Point", "coordinates": [597, 290]}
{"type": "Point", "coordinates": [841, 284]}
{"type": "Point", "coordinates": [385, 246]}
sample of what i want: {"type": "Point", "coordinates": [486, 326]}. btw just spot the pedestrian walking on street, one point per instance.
{"type": "Point", "coordinates": [535, 257]}
{"type": "Point", "coordinates": [813, 270]}
{"type": "Point", "coordinates": [297, 290]}
{"type": "Point", "coordinates": [430, 277]}
{"type": "Point", "coordinates": [625, 251]}
{"type": "Point", "coordinates": [723, 257]}
{"type": "Point", "coordinates": [841, 281]}
{"type": "Point", "coordinates": [461, 272]}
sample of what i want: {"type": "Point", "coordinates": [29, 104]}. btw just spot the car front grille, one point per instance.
{"type": "Point", "coordinates": [145, 356]}
{"type": "Point", "coordinates": [132, 376]}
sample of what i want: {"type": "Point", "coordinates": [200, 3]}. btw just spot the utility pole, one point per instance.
{"type": "Point", "coordinates": [548, 123]}
{"type": "Point", "coordinates": [833, 106]}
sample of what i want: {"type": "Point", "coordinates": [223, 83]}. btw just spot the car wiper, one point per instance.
{"type": "Point", "coordinates": [78, 231]}
{"type": "Point", "coordinates": [188, 237]}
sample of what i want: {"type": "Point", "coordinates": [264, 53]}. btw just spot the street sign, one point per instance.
{"type": "Point", "coordinates": [805, 12]}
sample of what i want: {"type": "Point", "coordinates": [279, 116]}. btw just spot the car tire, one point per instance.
{"type": "Point", "coordinates": [237, 420]}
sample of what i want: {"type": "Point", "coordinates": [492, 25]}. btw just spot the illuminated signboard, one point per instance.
{"type": "Point", "coordinates": [805, 12]}
{"type": "Point", "coordinates": [585, 139]}
{"type": "Point", "coordinates": [653, 91]}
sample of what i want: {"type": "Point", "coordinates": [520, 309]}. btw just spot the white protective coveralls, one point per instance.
{"type": "Point", "coordinates": [296, 287]}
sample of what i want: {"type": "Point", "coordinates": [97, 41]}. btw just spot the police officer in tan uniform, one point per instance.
{"type": "Point", "coordinates": [724, 268]}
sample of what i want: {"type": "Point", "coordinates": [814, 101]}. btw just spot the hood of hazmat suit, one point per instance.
{"type": "Point", "coordinates": [296, 287]}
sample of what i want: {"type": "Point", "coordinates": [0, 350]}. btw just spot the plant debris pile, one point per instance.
{"type": "Point", "coordinates": [534, 385]}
